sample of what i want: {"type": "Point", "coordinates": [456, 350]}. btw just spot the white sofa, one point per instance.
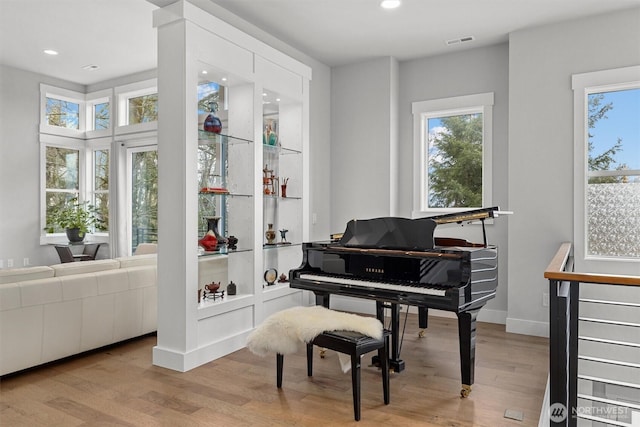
{"type": "Point", "coordinates": [50, 312]}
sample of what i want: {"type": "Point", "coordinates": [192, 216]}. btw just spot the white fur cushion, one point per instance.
{"type": "Point", "coordinates": [284, 331]}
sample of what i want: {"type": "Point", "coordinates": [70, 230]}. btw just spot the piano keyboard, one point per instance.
{"type": "Point", "coordinates": [436, 291]}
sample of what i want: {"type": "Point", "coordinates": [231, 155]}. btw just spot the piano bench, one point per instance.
{"type": "Point", "coordinates": [355, 345]}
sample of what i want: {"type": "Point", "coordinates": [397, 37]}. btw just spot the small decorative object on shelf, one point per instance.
{"type": "Point", "coordinates": [232, 241]}
{"type": "Point", "coordinates": [270, 234]}
{"type": "Point", "coordinates": [283, 278]}
{"type": "Point", "coordinates": [214, 190]}
{"type": "Point", "coordinates": [212, 225]}
{"type": "Point", "coordinates": [270, 276]}
{"type": "Point", "coordinates": [231, 288]}
{"type": "Point", "coordinates": [269, 181]}
{"type": "Point", "coordinates": [283, 236]}
{"type": "Point", "coordinates": [211, 291]}
{"type": "Point", "coordinates": [209, 241]}
{"type": "Point", "coordinates": [213, 123]}
{"type": "Point", "coordinates": [269, 137]}
{"type": "Point", "coordinates": [283, 187]}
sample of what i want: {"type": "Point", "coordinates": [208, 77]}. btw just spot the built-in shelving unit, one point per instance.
{"type": "Point", "coordinates": [206, 66]}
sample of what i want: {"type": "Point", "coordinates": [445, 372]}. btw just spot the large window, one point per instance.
{"type": "Point", "coordinates": [75, 163]}
{"type": "Point", "coordinates": [607, 151]}
{"type": "Point", "coordinates": [452, 146]}
{"type": "Point", "coordinates": [143, 172]}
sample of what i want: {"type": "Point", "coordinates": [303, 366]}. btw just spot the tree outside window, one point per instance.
{"type": "Point", "coordinates": [455, 161]}
{"type": "Point", "coordinates": [143, 109]}
{"type": "Point", "coordinates": [62, 113]}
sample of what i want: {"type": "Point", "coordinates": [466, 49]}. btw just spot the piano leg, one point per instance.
{"type": "Point", "coordinates": [467, 336]}
{"type": "Point", "coordinates": [395, 363]}
{"type": "Point", "coordinates": [423, 315]}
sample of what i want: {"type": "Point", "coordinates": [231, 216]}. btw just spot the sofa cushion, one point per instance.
{"type": "Point", "coordinates": [9, 296]}
{"type": "Point", "coordinates": [137, 260]}
{"type": "Point", "coordinates": [69, 268]}
{"type": "Point", "coordinates": [13, 275]}
{"type": "Point", "coordinates": [40, 292]}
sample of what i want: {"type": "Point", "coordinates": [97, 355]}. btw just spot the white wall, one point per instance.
{"type": "Point", "coordinates": [363, 131]}
{"type": "Point", "coordinates": [541, 62]}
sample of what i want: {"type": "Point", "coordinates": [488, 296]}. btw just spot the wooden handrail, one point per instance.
{"type": "Point", "coordinates": [555, 271]}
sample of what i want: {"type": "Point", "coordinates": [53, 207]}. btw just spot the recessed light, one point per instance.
{"type": "Point", "coordinates": [264, 93]}
{"type": "Point", "coordinates": [50, 52]}
{"type": "Point", "coordinates": [389, 4]}
{"type": "Point", "coordinates": [278, 99]}
{"type": "Point", "coordinates": [204, 71]}
{"type": "Point", "coordinates": [224, 79]}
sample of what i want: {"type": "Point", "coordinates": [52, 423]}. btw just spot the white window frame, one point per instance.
{"type": "Point", "coordinates": [47, 91]}
{"type": "Point", "coordinates": [93, 99]}
{"type": "Point", "coordinates": [422, 111]}
{"type": "Point", "coordinates": [583, 85]}
{"type": "Point", "coordinates": [123, 94]}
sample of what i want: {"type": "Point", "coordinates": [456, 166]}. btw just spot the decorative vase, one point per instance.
{"type": "Point", "coordinates": [212, 225]}
{"type": "Point", "coordinates": [283, 187]}
{"type": "Point", "coordinates": [231, 288]}
{"type": "Point", "coordinates": [212, 124]}
{"type": "Point", "coordinates": [270, 234]}
{"type": "Point", "coordinates": [209, 242]}
{"type": "Point", "coordinates": [75, 235]}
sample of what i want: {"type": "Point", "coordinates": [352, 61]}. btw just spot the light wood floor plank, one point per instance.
{"type": "Point", "coordinates": [120, 386]}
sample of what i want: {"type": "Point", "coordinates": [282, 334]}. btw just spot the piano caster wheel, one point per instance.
{"type": "Point", "coordinates": [466, 390]}
{"type": "Point", "coordinates": [323, 352]}
{"type": "Point", "coordinates": [421, 334]}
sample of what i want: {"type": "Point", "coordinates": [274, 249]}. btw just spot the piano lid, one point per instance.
{"type": "Point", "coordinates": [389, 233]}
{"type": "Point", "coordinates": [404, 233]}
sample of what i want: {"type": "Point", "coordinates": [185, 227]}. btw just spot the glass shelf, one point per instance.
{"type": "Point", "coordinates": [275, 196]}
{"type": "Point", "coordinates": [280, 245]}
{"type": "Point", "coordinates": [205, 137]}
{"type": "Point", "coordinates": [282, 150]}
{"type": "Point", "coordinates": [224, 251]}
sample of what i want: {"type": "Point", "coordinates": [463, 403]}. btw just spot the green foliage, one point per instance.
{"type": "Point", "coordinates": [606, 159]}
{"type": "Point", "coordinates": [455, 173]}
{"type": "Point", "coordinates": [74, 214]}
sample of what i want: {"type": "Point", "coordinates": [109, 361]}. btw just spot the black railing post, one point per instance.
{"type": "Point", "coordinates": [558, 363]}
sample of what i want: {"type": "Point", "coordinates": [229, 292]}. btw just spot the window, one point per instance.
{"type": "Point", "coordinates": [452, 147]}
{"type": "Point", "coordinates": [61, 180]}
{"type": "Point", "coordinates": [75, 168]}
{"type": "Point", "coordinates": [607, 165]}
{"type": "Point", "coordinates": [137, 106]}
{"type": "Point", "coordinates": [100, 188]}
{"type": "Point", "coordinates": [143, 198]}
{"type": "Point", "coordinates": [62, 112]}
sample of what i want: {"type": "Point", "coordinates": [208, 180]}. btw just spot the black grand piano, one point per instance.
{"type": "Point", "coordinates": [398, 261]}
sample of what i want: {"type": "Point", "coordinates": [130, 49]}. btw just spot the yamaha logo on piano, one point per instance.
{"type": "Point", "coordinates": [374, 270]}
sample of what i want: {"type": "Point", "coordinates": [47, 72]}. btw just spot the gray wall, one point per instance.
{"type": "Point", "coordinates": [541, 62]}
{"type": "Point", "coordinates": [463, 73]}
{"type": "Point", "coordinates": [363, 165]}
{"type": "Point", "coordinates": [20, 166]}
{"type": "Point", "coordinates": [533, 142]}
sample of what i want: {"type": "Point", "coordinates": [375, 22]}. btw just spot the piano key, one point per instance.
{"type": "Point", "coordinates": [416, 289]}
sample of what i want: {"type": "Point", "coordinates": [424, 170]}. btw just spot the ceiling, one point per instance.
{"type": "Point", "coordinates": [118, 37]}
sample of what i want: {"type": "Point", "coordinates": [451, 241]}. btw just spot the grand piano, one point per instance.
{"type": "Point", "coordinates": [398, 261]}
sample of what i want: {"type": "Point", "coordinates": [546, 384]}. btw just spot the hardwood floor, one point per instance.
{"type": "Point", "coordinates": [119, 386]}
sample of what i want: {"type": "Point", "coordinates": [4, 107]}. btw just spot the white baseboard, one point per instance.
{"type": "Point", "coordinates": [528, 327]}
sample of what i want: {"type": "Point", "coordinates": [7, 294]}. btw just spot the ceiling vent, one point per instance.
{"type": "Point", "coordinates": [461, 40]}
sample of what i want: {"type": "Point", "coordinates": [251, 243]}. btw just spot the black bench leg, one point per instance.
{"type": "Point", "coordinates": [279, 363]}
{"type": "Point", "coordinates": [355, 384]}
{"type": "Point", "coordinates": [309, 359]}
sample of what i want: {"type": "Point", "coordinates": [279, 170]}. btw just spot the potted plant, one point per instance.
{"type": "Point", "coordinates": [75, 218]}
